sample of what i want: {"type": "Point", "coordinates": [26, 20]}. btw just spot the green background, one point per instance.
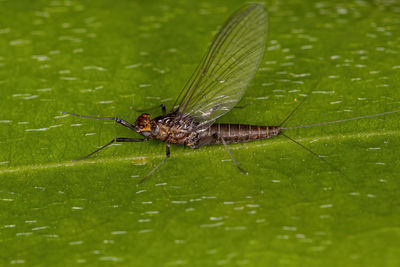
{"type": "Point", "coordinates": [100, 58]}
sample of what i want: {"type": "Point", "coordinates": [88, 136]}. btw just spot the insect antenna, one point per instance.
{"type": "Point", "coordinates": [338, 121]}
{"type": "Point", "coordinates": [117, 120]}
{"type": "Point", "coordinates": [119, 139]}
{"type": "Point", "coordinates": [318, 156]}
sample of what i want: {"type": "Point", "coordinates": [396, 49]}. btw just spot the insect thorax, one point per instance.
{"type": "Point", "coordinates": [175, 129]}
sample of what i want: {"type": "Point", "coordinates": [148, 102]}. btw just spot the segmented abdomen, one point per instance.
{"type": "Point", "coordinates": [235, 133]}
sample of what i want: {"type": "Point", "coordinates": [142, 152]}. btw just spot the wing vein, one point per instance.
{"type": "Point", "coordinates": [231, 62]}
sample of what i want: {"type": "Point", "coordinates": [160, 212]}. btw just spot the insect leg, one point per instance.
{"type": "Point", "coordinates": [230, 154]}
{"type": "Point", "coordinates": [159, 164]}
{"type": "Point", "coordinates": [163, 109]}
{"type": "Point", "coordinates": [162, 106]}
{"type": "Point", "coordinates": [117, 120]}
{"type": "Point", "coordinates": [318, 156]}
{"type": "Point", "coordinates": [112, 141]}
{"type": "Point", "coordinates": [243, 106]}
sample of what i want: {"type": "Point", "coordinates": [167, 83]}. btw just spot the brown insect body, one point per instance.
{"type": "Point", "coordinates": [236, 133]}
{"type": "Point", "coordinates": [216, 86]}
{"type": "Point", "coordinates": [183, 130]}
{"type": "Point", "coordinates": [174, 129]}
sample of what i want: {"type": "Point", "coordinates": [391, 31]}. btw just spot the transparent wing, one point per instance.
{"type": "Point", "coordinates": [226, 70]}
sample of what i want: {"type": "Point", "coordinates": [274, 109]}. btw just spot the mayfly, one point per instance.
{"type": "Point", "coordinates": [216, 86]}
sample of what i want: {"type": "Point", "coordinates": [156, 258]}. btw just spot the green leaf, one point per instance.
{"type": "Point", "coordinates": [100, 58]}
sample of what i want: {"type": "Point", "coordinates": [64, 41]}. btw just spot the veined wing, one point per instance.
{"type": "Point", "coordinates": [228, 67]}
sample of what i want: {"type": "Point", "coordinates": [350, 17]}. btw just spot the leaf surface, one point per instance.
{"type": "Point", "coordinates": [97, 58]}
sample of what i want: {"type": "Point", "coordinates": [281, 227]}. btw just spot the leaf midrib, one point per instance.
{"type": "Point", "coordinates": [113, 160]}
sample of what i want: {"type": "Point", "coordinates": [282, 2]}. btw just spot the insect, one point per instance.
{"type": "Point", "coordinates": [216, 86]}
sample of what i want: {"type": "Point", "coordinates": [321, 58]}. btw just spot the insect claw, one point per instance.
{"type": "Point", "coordinates": [79, 158]}
{"type": "Point", "coordinates": [159, 164]}
{"type": "Point", "coordinates": [243, 171]}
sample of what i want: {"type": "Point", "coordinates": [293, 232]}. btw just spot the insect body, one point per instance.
{"type": "Point", "coordinates": [174, 129]}
{"type": "Point", "coordinates": [216, 86]}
